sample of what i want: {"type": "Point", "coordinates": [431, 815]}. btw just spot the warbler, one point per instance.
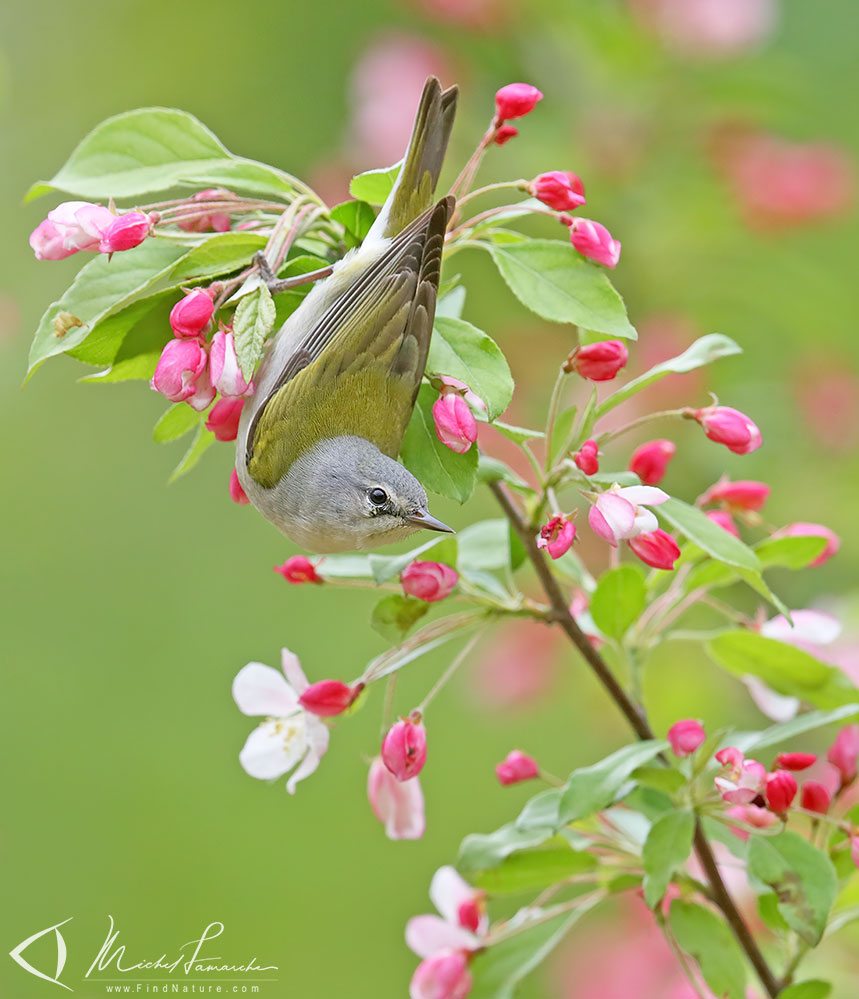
{"type": "Point", "coordinates": [319, 436]}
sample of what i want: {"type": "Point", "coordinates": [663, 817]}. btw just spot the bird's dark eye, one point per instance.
{"type": "Point", "coordinates": [378, 497]}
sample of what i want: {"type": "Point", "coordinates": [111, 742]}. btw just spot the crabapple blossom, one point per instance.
{"type": "Point", "coordinates": [454, 422]}
{"type": "Point", "coordinates": [443, 975]}
{"type": "Point", "coordinates": [745, 494]}
{"type": "Point", "coordinates": [298, 569]}
{"type": "Point", "coordinates": [587, 457]}
{"type": "Point", "coordinates": [181, 371]}
{"type": "Point", "coordinates": [780, 790]}
{"type": "Point", "coordinates": [224, 370]}
{"type": "Point", "coordinates": [844, 753]}
{"type": "Point", "coordinates": [621, 513]}
{"type": "Point", "coordinates": [404, 748]}
{"type": "Point", "coordinates": [557, 536]}
{"type": "Point", "coordinates": [724, 520]}
{"type": "Point", "coordinates": [515, 767]}
{"type": "Point", "coordinates": [328, 698]}
{"type": "Point", "coordinates": [81, 225]}
{"type": "Point", "coordinates": [214, 221]}
{"type": "Point", "coordinates": [593, 241]}
{"type": "Point", "coordinates": [744, 779]}
{"type": "Point", "coordinates": [515, 101]}
{"type": "Point", "coordinates": [237, 494]}
{"type": "Point", "coordinates": [685, 736]}
{"type": "Point", "coordinates": [462, 920]}
{"type": "Point", "coordinates": [815, 797]}
{"type": "Point", "coordinates": [751, 815]}
{"type": "Point", "coordinates": [126, 231]}
{"type": "Point", "coordinates": [599, 361]}
{"type": "Point", "coordinates": [658, 548]}
{"type": "Point", "coordinates": [191, 315]}
{"type": "Point", "coordinates": [223, 420]}
{"type": "Point", "coordinates": [398, 805]}
{"type": "Point", "coordinates": [290, 738]}
{"type": "Point", "coordinates": [795, 761]}
{"type": "Point", "coordinates": [504, 134]}
{"type": "Point", "coordinates": [562, 191]}
{"type": "Point", "coordinates": [650, 460]}
{"type": "Point", "coordinates": [730, 427]}
{"type": "Point", "coordinates": [46, 241]}
{"type": "Point", "coordinates": [429, 581]}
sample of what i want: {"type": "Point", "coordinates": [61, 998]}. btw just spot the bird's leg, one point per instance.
{"type": "Point", "coordinates": [276, 284]}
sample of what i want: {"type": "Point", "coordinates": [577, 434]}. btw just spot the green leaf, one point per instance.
{"type": "Point", "coordinates": [561, 432]}
{"type": "Point", "coordinates": [708, 536]}
{"type": "Point", "coordinates": [785, 668]}
{"type": "Point", "coordinates": [451, 303]}
{"type": "Point", "coordinates": [618, 600]}
{"type": "Point", "coordinates": [177, 421]}
{"type": "Point", "coordinates": [252, 325]}
{"type": "Point", "coordinates": [436, 467]}
{"type": "Point", "coordinates": [385, 567]}
{"type": "Point", "coordinates": [703, 351]}
{"type": "Point", "coordinates": [541, 811]}
{"type": "Point", "coordinates": [395, 615]}
{"type": "Point", "coordinates": [150, 149]}
{"type": "Point", "coordinates": [660, 778]}
{"type": "Point", "coordinates": [802, 877]}
{"type": "Point", "coordinates": [517, 434]}
{"type": "Point", "coordinates": [667, 846]}
{"type": "Point", "coordinates": [551, 278]}
{"type": "Point", "coordinates": [492, 470]}
{"type": "Point", "coordinates": [533, 869]}
{"type": "Point", "coordinates": [486, 546]}
{"type": "Point", "coordinates": [219, 255]}
{"type": "Point", "coordinates": [203, 439]}
{"type": "Point", "coordinates": [482, 851]}
{"type": "Point", "coordinates": [500, 968]}
{"type": "Point", "coordinates": [374, 186]}
{"type": "Point", "coordinates": [707, 938]}
{"type": "Point", "coordinates": [102, 287]}
{"type": "Point", "coordinates": [768, 911]}
{"type": "Point", "coordinates": [807, 722]}
{"type": "Point", "coordinates": [593, 788]}
{"type": "Point", "coordinates": [349, 566]}
{"type": "Point", "coordinates": [463, 351]}
{"type": "Point", "coordinates": [107, 338]}
{"type": "Point", "coordinates": [790, 553]}
{"type": "Point", "coordinates": [814, 988]}
{"type": "Point", "coordinates": [356, 217]}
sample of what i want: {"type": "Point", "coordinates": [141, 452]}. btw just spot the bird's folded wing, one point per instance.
{"type": "Point", "coordinates": [359, 368]}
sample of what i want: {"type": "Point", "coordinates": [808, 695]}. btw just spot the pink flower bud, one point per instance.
{"type": "Point", "coordinates": [47, 242]}
{"type": "Point", "coordinates": [656, 549]}
{"type": "Point", "coordinates": [181, 365]}
{"type": "Point", "coordinates": [328, 698]}
{"type": "Point", "coordinates": [598, 362]}
{"type": "Point", "coordinates": [844, 753]}
{"type": "Point", "coordinates": [455, 425]}
{"type": "Point", "coordinates": [795, 761]}
{"type": "Point", "coordinates": [81, 224]}
{"type": "Point", "coordinates": [743, 495]}
{"type": "Point", "coordinates": [125, 232]}
{"type": "Point", "coordinates": [397, 804]}
{"type": "Point", "coordinates": [685, 737]}
{"type": "Point", "coordinates": [224, 370]}
{"type": "Point", "coordinates": [557, 536]}
{"type": "Point", "coordinates": [404, 748]}
{"type": "Point", "coordinates": [587, 457]}
{"type": "Point", "coordinates": [650, 460]}
{"type": "Point", "coordinates": [298, 569]}
{"type": "Point", "coordinates": [815, 797]}
{"type": "Point", "coordinates": [559, 190]}
{"type": "Point", "coordinates": [780, 790]}
{"type": "Point", "coordinates": [190, 316]}
{"type": "Point", "coordinates": [237, 494]}
{"type": "Point", "coordinates": [802, 529]}
{"type": "Point", "coordinates": [516, 767]}
{"type": "Point", "coordinates": [751, 815]}
{"type": "Point", "coordinates": [724, 520]}
{"type": "Point", "coordinates": [730, 427]}
{"type": "Point", "coordinates": [504, 134]}
{"type": "Point", "coordinates": [214, 222]}
{"type": "Point", "coordinates": [444, 975]}
{"type": "Point", "coordinates": [429, 581]}
{"type": "Point", "coordinates": [594, 241]}
{"type": "Point", "coordinates": [515, 101]}
{"type": "Point", "coordinates": [224, 419]}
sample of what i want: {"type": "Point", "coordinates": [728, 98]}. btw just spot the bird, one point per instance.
{"type": "Point", "coordinates": [319, 435]}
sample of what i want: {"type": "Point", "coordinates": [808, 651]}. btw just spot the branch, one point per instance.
{"type": "Point", "coordinates": [638, 722]}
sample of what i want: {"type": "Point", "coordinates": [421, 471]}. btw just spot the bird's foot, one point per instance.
{"type": "Point", "coordinates": [276, 284]}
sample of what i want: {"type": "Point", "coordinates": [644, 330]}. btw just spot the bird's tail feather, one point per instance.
{"type": "Point", "coordinates": [413, 191]}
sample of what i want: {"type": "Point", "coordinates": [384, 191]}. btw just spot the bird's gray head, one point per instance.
{"type": "Point", "coordinates": [345, 495]}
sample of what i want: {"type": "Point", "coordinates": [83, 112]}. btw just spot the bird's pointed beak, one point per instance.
{"type": "Point", "coordinates": [423, 518]}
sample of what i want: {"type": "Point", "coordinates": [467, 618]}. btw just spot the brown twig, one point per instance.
{"type": "Point", "coordinates": [638, 722]}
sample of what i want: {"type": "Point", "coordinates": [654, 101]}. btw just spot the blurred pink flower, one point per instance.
{"type": "Point", "coordinates": [516, 767]}
{"type": "Point", "coordinates": [214, 221]}
{"type": "Point", "coordinates": [237, 494]}
{"type": "Point", "coordinates": [649, 461]}
{"type": "Point", "coordinates": [516, 665]}
{"type": "Point", "coordinates": [685, 736]}
{"type": "Point", "coordinates": [469, 13]}
{"type": "Point", "coordinates": [429, 581]}
{"type": "Point", "coordinates": [515, 100]}
{"type": "Point", "coordinates": [463, 920]}
{"type": "Point", "coordinates": [751, 815]}
{"type": "Point", "coordinates": [710, 28]}
{"type": "Point", "coordinates": [587, 457]}
{"type": "Point", "coordinates": [224, 419]}
{"type": "Point", "coordinates": [804, 529]}
{"type": "Point", "coordinates": [724, 520]}
{"type": "Point", "coordinates": [557, 536]}
{"type": "Point", "coordinates": [743, 780]}
{"type": "Point", "coordinates": [399, 806]}
{"type": "Point", "coordinates": [829, 403]}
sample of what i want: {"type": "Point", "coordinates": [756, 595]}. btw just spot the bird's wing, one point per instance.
{"type": "Point", "coordinates": [358, 370]}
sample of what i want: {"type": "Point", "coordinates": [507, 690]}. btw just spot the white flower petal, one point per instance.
{"type": "Point", "coordinates": [645, 521]}
{"type": "Point", "coordinates": [448, 890]}
{"type": "Point", "coordinates": [261, 690]}
{"type": "Point", "coordinates": [274, 747]}
{"type": "Point", "coordinates": [293, 671]}
{"type": "Point", "coordinates": [317, 744]}
{"type": "Point", "coordinates": [644, 495]}
{"type": "Point", "coordinates": [427, 935]}
{"type": "Point", "coordinates": [618, 513]}
{"type": "Point", "coordinates": [816, 627]}
{"type": "Point", "coordinates": [778, 707]}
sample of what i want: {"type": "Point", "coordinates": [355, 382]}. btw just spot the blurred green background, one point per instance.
{"type": "Point", "coordinates": [129, 606]}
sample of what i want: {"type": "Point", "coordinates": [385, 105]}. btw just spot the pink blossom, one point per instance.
{"type": "Point", "coordinates": [751, 815]}
{"type": "Point", "coordinates": [214, 221]}
{"type": "Point", "coordinates": [237, 494]}
{"type": "Point", "coordinates": [557, 536]}
{"type": "Point", "coordinates": [404, 748]}
{"type": "Point", "coordinates": [658, 548]}
{"type": "Point", "coordinates": [854, 850]}
{"type": "Point", "coordinates": [710, 28]}
{"type": "Point", "coordinates": [125, 232]}
{"type": "Point", "coordinates": [472, 398]}
{"type": "Point", "coordinates": [81, 224]}
{"type": "Point", "coordinates": [455, 425]}
{"type": "Point", "coordinates": [593, 241]}
{"type": "Point", "coordinates": [224, 419]}
{"type": "Point", "coordinates": [47, 242]}
{"type": "Point", "coordinates": [745, 494]}
{"type": "Point", "coordinates": [462, 920]}
{"type": "Point", "coordinates": [780, 790]}
{"type": "Point", "coordinates": [620, 513]}
{"type": "Point", "coordinates": [562, 191]}
{"type": "Point", "coordinates": [515, 767]}
{"type": "Point", "coordinates": [724, 520]}
{"type": "Point", "coordinates": [444, 975]}
{"type": "Point", "coordinates": [730, 427]}
{"type": "Point", "coordinates": [803, 529]}
{"type": "Point", "coordinates": [181, 366]}
{"type": "Point", "coordinates": [598, 362]}
{"type": "Point", "coordinates": [298, 569]}
{"type": "Point", "coordinates": [515, 101]}
{"type": "Point", "coordinates": [587, 457]}
{"type": "Point", "coordinates": [191, 315]}
{"type": "Point", "coordinates": [744, 779]}
{"type": "Point", "coordinates": [795, 761]}
{"type": "Point", "coordinates": [650, 460]}
{"type": "Point", "coordinates": [815, 797]}
{"type": "Point", "coordinates": [429, 581]}
{"type": "Point", "coordinates": [328, 698]}
{"type": "Point", "coordinates": [685, 737]}
{"type": "Point", "coordinates": [399, 805]}
{"type": "Point", "coordinates": [844, 753]}
{"type": "Point", "coordinates": [504, 134]}
{"type": "Point", "coordinates": [224, 371]}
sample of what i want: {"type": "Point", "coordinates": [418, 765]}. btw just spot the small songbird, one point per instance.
{"type": "Point", "coordinates": [318, 439]}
